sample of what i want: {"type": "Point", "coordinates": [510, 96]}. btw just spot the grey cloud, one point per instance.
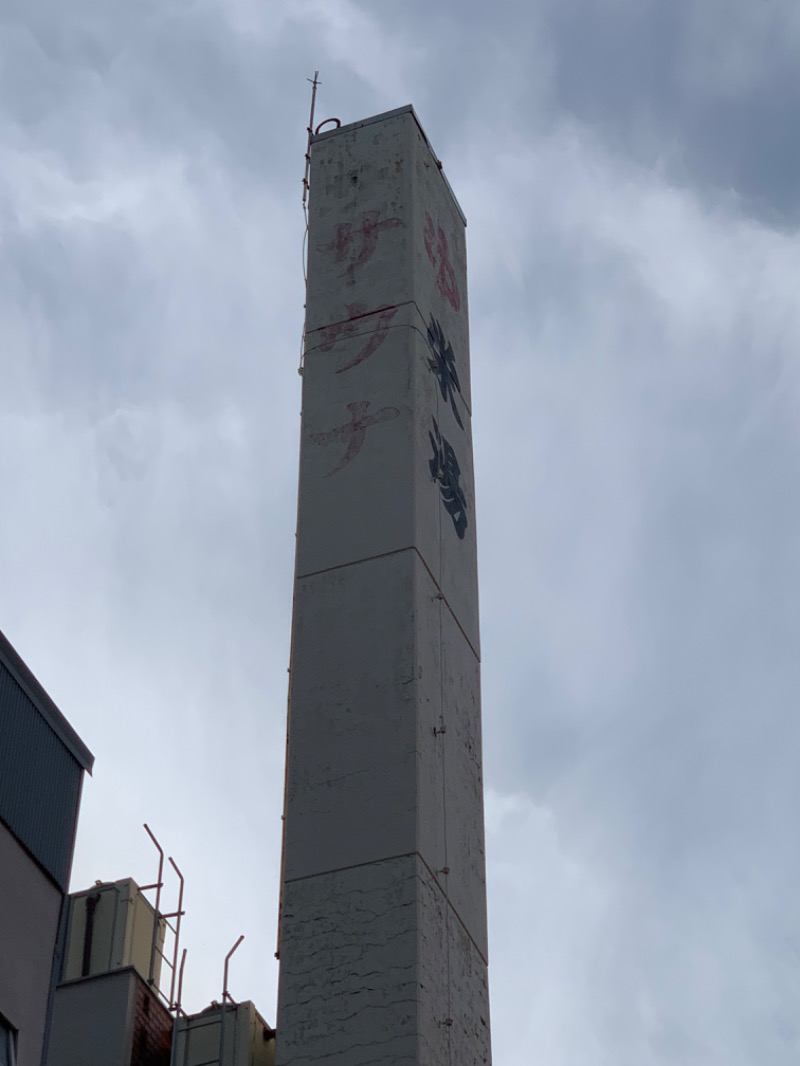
{"type": "Point", "coordinates": [705, 91]}
{"type": "Point", "coordinates": [701, 89]}
{"type": "Point", "coordinates": [633, 347]}
{"type": "Point", "coordinates": [649, 595]}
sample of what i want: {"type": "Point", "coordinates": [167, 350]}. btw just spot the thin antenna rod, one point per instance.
{"type": "Point", "coordinates": [314, 85]}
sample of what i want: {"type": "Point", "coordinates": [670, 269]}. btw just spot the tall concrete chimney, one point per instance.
{"type": "Point", "coordinates": [383, 945]}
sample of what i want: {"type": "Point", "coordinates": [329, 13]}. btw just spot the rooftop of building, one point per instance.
{"type": "Point", "coordinates": [24, 676]}
{"type": "Point", "coordinates": [407, 109]}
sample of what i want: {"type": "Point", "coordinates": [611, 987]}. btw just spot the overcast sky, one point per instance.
{"type": "Point", "coordinates": [630, 171]}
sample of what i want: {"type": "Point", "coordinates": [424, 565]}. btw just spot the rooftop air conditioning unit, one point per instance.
{"type": "Point", "coordinates": [110, 927]}
{"type": "Point", "coordinates": [231, 1035]}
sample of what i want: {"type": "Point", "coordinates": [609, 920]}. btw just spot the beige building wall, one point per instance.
{"type": "Point", "coordinates": [29, 915]}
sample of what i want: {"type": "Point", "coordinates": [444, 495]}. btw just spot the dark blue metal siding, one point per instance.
{"type": "Point", "coordinates": [40, 781]}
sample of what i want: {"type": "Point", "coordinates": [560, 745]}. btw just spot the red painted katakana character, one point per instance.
{"type": "Point", "coordinates": [358, 324]}
{"type": "Point", "coordinates": [357, 246]}
{"type": "Point", "coordinates": [438, 250]}
{"type": "Point", "coordinates": [354, 432]}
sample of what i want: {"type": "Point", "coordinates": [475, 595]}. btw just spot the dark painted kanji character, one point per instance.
{"type": "Point", "coordinates": [444, 468]}
{"type": "Point", "coordinates": [443, 365]}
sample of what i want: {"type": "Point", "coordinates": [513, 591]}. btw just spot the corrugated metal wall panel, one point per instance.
{"type": "Point", "coordinates": [39, 781]}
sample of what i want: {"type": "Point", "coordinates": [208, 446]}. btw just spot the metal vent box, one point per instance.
{"type": "Point", "coordinates": [112, 926]}
{"type": "Point", "coordinates": [233, 1035]}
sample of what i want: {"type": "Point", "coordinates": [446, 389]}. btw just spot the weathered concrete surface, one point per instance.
{"type": "Point", "coordinates": [376, 970]}
{"type": "Point", "coordinates": [415, 247]}
{"type": "Point", "coordinates": [349, 967]}
{"type": "Point", "coordinates": [109, 1019]}
{"type": "Point", "coordinates": [383, 929]}
{"type": "Point", "coordinates": [365, 481]}
{"type": "Point", "coordinates": [370, 774]}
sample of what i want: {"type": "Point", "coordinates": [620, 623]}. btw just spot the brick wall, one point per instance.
{"type": "Point", "coordinates": [152, 1029]}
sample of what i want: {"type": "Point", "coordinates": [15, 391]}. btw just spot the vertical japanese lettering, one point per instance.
{"type": "Point", "coordinates": [355, 246]}
{"type": "Point", "coordinates": [353, 433]}
{"type": "Point", "coordinates": [445, 470]}
{"type": "Point", "coordinates": [438, 252]}
{"type": "Point", "coordinates": [443, 365]}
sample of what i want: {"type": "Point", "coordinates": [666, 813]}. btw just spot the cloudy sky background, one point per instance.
{"type": "Point", "coordinates": [630, 170]}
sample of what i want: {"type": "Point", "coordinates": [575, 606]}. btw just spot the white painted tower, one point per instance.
{"type": "Point", "coordinates": [383, 945]}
